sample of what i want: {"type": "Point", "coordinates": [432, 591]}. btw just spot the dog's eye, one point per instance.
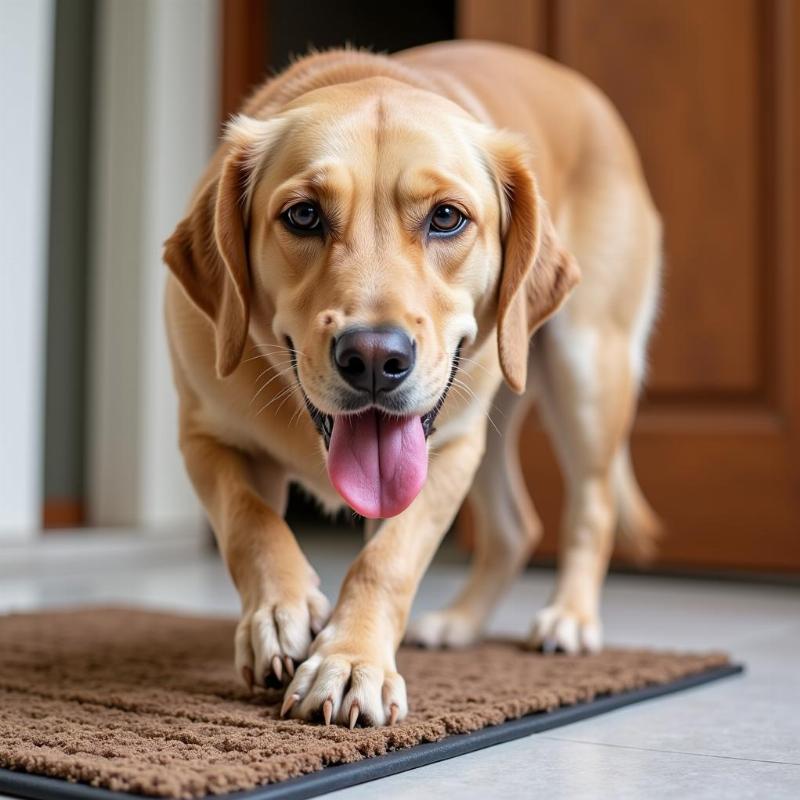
{"type": "Point", "coordinates": [303, 218]}
{"type": "Point", "coordinates": [446, 220]}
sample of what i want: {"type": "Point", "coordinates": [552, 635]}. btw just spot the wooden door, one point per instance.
{"type": "Point", "coordinates": [710, 92]}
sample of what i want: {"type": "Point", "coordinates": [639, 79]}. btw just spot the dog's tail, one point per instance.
{"type": "Point", "coordinates": [638, 527]}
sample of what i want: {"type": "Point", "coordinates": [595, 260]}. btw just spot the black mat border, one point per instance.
{"type": "Point", "coordinates": [342, 776]}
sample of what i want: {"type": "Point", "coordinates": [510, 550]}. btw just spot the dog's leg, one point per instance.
{"type": "Point", "coordinates": [506, 526]}
{"type": "Point", "coordinates": [351, 673]}
{"type": "Point", "coordinates": [281, 604]}
{"type": "Point", "coordinates": [587, 394]}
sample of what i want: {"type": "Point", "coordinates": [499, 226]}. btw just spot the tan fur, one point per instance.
{"type": "Point", "coordinates": [541, 164]}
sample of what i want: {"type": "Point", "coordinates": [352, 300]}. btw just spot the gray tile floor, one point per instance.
{"type": "Point", "coordinates": [736, 739]}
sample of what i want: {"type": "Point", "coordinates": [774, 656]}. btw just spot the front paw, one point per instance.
{"type": "Point", "coordinates": [561, 628]}
{"type": "Point", "coordinates": [275, 632]}
{"type": "Point", "coordinates": [348, 684]}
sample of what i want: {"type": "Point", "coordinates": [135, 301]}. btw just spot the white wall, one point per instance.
{"type": "Point", "coordinates": [156, 128]}
{"type": "Point", "coordinates": [26, 49]}
{"type": "Point", "coordinates": [183, 120]}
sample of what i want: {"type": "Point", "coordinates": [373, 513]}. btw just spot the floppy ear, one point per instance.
{"type": "Point", "coordinates": [207, 253]}
{"type": "Point", "coordinates": [537, 272]}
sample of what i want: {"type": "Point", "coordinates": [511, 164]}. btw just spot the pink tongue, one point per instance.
{"type": "Point", "coordinates": [377, 463]}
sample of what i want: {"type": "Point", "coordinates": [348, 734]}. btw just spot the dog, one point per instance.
{"type": "Point", "coordinates": [383, 249]}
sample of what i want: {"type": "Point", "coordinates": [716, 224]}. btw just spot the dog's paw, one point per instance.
{"type": "Point", "coordinates": [275, 634]}
{"type": "Point", "coordinates": [340, 684]}
{"type": "Point", "coordinates": [446, 628]}
{"type": "Point", "coordinates": [558, 628]}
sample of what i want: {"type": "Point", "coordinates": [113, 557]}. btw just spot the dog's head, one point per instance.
{"type": "Point", "coordinates": [377, 231]}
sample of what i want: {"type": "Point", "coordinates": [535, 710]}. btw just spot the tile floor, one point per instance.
{"type": "Point", "coordinates": [739, 738]}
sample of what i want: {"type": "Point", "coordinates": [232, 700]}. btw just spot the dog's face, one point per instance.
{"type": "Point", "coordinates": [377, 231]}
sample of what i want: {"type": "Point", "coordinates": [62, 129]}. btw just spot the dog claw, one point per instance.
{"type": "Point", "coordinates": [327, 711]}
{"type": "Point", "coordinates": [249, 678]}
{"type": "Point", "coordinates": [277, 667]}
{"type": "Point", "coordinates": [288, 702]}
{"type": "Point", "coordinates": [289, 666]}
{"type": "Point", "coordinates": [354, 710]}
{"type": "Point", "coordinates": [394, 710]}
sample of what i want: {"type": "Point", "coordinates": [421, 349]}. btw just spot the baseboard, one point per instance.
{"type": "Point", "coordinates": [86, 547]}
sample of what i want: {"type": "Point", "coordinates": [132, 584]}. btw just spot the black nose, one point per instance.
{"type": "Point", "coordinates": [374, 359]}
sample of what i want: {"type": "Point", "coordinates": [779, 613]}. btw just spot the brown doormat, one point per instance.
{"type": "Point", "coordinates": [147, 703]}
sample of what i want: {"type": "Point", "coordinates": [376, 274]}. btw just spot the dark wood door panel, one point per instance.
{"type": "Point", "coordinates": [725, 490]}
{"type": "Point", "coordinates": [685, 76]}
{"type": "Point", "coordinates": [523, 23]}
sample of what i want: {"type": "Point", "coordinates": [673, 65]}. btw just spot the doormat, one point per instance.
{"type": "Point", "coordinates": [106, 703]}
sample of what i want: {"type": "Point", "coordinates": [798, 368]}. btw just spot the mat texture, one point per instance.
{"type": "Point", "coordinates": [148, 703]}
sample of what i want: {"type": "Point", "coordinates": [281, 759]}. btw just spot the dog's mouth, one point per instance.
{"type": "Point", "coordinates": [378, 459]}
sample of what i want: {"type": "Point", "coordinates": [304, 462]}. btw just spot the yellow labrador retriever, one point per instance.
{"type": "Point", "coordinates": [366, 259]}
